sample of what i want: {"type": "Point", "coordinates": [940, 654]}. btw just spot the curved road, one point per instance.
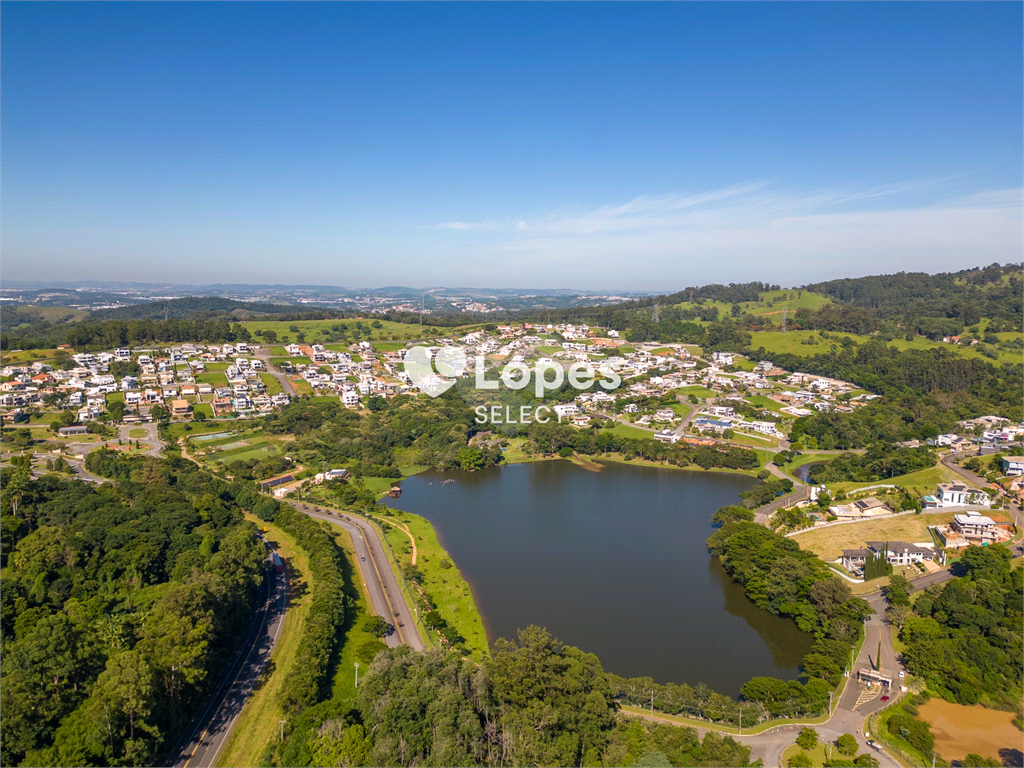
{"type": "Point", "coordinates": [263, 353]}
{"type": "Point", "coordinates": [847, 716]}
{"type": "Point", "coordinates": [210, 730]}
{"type": "Point", "coordinates": [381, 582]}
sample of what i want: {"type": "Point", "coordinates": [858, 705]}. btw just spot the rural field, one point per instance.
{"type": "Point", "coordinates": [791, 343]}
{"type": "Point", "coordinates": [327, 330]}
{"type": "Point", "coordinates": [961, 730]}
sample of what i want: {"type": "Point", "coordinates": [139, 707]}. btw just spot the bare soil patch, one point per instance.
{"type": "Point", "coordinates": [960, 730]}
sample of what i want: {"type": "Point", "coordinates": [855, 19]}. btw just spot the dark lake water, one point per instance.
{"type": "Point", "coordinates": [613, 562]}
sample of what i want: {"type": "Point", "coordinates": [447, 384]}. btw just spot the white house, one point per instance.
{"type": "Point", "coordinates": [722, 358]}
{"type": "Point", "coordinates": [959, 495]}
{"type": "Point", "coordinates": [565, 409]}
{"type": "Point", "coordinates": [975, 526]}
{"type": "Point", "coordinates": [1013, 465]}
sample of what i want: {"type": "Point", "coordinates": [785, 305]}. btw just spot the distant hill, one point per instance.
{"type": "Point", "coordinates": [182, 308]}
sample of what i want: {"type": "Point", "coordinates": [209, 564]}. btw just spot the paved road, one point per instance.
{"type": "Point", "coordinates": [762, 514]}
{"type": "Point", "coordinates": [381, 582]}
{"type": "Point", "coordinates": [210, 730]}
{"type": "Point", "coordinates": [151, 439]}
{"type": "Point", "coordinates": [76, 466]}
{"type": "Point", "coordinates": [1014, 509]}
{"type": "Point", "coordinates": [263, 353]}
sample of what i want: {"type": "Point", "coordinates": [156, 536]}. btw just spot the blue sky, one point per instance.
{"type": "Point", "coordinates": [605, 146]}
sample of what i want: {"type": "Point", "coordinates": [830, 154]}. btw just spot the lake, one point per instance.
{"type": "Point", "coordinates": [613, 562]}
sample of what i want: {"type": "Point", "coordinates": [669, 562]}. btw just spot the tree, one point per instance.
{"type": "Point", "coordinates": [847, 744]}
{"type": "Point", "coordinates": [123, 694]}
{"type": "Point", "coordinates": [866, 761]}
{"type": "Point", "coordinates": [808, 738]}
{"type": "Point", "coordinates": [375, 625]}
{"type": "Point", "coordinates": [799, 760]}
{"type": "Point", "coordinates": [471, 458]}
{"type": "Point", "coordinates": [974, 760]}
{"type": "Point", "coordinates": [897, 615]}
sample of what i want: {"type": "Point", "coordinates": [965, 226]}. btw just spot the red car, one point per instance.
{"type": "Point", "coordinates": [885, 698]}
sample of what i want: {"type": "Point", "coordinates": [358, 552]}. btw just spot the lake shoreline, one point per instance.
{"type": "Point", "coordinates": [530, 559]}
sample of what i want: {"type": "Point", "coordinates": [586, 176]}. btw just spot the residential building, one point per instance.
{"type": "Point", "coordinates": [897, 553]}
{"type": "Point", "coordinates": [1013, 465]}
{"type": "Point", "coordinates": [179, 408]}
{"type": "Point", "coordinates": [565, 409]}
{"type": "Point", "coordinates": [956, 494]}
{"type": "Point", "coordinates": [869, 507]}
{"type": "Point", "coordinates": [973, 525]}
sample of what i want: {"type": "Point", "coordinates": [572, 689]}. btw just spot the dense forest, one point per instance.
{"type": "Point", "coordinates": [533, 702]}
{"type": "Point", "coordinates": [880, 462]}
{"type": "Point", "coordinates": [967, 296]}
{"type": "Point", "coordinates": [436, 433]}
{"type": "Point", "coordinates": [964, 637]}
{"type": "Point", "coordinates": [120, 604]}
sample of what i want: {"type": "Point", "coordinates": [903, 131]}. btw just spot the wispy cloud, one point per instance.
{"type": "Point", "coordinates": [757, 231]}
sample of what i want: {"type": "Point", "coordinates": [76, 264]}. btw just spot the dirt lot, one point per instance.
{"type": "Point", "coordinates": [959, 730]}
{"type": "Point", "coordinates": [829, 543]}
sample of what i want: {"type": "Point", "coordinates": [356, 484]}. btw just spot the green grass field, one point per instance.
{"type": "Point", "coordinates": [27, 356]}
{"type": "Point", "coordinates": [293, 360]}
{"type": "Point", "coordinates": [702, 393]}
{"type": "Point", "coordinates": [766, 402]}
{"type": "Point", "coordinates": [356, 645]}
{"type": "Point", "coordinates": [115, 397]}
{"type": "Point", "coordinates": [256, 449]}
{"type": "Point", "coordinates": [273, 385]}
{"type": "Point", "coordinates": [790, 343]}
{"type": "Point", "coordinates": [449, 590]}
{"type": "Point", "coordinates": [214, 379]}
{"type": "Point", "coordinates": [301, 386]}
{"type": "Point", "coordinates": [625, 430]}
{"type": "Point", "coordinates": [547, 350]}
{"type": "Point", "coordinates": [922, 482]}
{"type": "Point", "coordinates": [387, 346]}
{"type": "Point", "coordinates": [313, 329]}
{"type": "Point", "coordinates": [204, 408]}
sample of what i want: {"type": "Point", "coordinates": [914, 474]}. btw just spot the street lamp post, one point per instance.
{"type": "Point", "coordinates": [357, 674]}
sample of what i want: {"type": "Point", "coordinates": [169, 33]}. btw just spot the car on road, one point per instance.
{"type": "Point", "coordinates": [362, 559]}
{"type": "Point", "coordinates": [885, 698]}
{"type": "Point", "coordinates": [902, 673]}
{"type": "Point", "coordinates": [874, 745]}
